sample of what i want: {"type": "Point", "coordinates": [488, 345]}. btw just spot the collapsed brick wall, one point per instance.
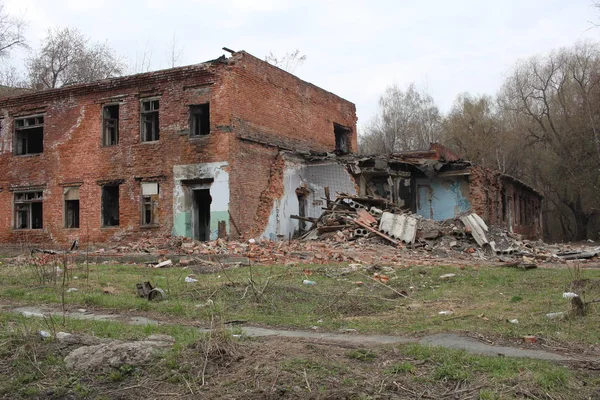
{"type": "Point", "coordinates": [501, 200]}
{"type": "Point", "coordinates": [73, 153]}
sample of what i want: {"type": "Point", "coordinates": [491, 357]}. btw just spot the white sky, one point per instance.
{"type": "Point", "coordinates": [354, 48]}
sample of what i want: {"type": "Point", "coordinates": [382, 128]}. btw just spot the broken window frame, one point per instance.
{"type": "Point", "coordinates": [23, 127]}
{"type": "Point", "coordinates": [149, 120]}
{"type": "Point", "coordinates": [24, 203]}
{"type": "Point", "coordinates": [342, 138]}
{"type": "Point", "coordinates": [105, 222]}
{"type": "Point", "coordinates": [110, 125]}
{"type": "Point", "coordinates": [72, 208]}
{"type": "Point", "coordinates": [150, 205]}
{"type": "Point", "coordinates": [200, 120]}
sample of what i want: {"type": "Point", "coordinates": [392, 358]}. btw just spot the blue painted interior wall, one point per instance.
{"type": "Point", "coordinates": [441, 199]}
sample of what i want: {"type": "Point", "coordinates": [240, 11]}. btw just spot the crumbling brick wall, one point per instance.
{"type": "Point", "coordinates": [503, 201]}
{"type": "Point", "coordinates": [256, 109]}
{"type": "Point", "coordinates": [281, 105]}
{"type": "Point", "coordinates": [73, 153]}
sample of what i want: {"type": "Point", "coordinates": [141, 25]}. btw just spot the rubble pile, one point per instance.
{"type": "Point", "coordinates": [373, 230]}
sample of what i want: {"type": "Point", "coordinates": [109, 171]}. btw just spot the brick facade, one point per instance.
{"type": "Point", "coordinates": [255, 109]}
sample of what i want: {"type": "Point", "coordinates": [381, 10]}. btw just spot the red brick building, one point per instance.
{"type": "Point", "coordinates": [192, 151]}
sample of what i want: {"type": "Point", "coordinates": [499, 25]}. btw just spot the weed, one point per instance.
{"type": "Point", "coordinates": [362, 355]}
{"type": "Point", "coordinates": [516, 299]}
{"type": "Point", "coordinates": [400, 368]}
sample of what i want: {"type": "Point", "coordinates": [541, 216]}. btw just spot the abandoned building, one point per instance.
{"type": "Point", "coordinates": [435, 184]}
{"type": "Point", "coordinates": [232, 147]}
{"type": "Point", "coordinates": [190, 151]}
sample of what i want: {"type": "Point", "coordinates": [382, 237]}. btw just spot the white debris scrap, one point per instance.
{"type": "Point", "coordinates": [570, 295]}
{"type": "Point", "coordinates": [189, 279]}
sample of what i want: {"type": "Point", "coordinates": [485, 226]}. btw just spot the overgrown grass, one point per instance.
{"type": "Point", "coordinates": [482, 300]}
{"type": "Point", "coordinates": [32, 367]}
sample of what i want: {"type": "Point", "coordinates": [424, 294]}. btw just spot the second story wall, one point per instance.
{"type": "Point", "coordinates": [271, 104]}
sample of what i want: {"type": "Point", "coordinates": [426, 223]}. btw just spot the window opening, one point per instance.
{"type": "Point", "coordinates": [150, 202]}
{"type": "Point", "coordinates": [71, 207]}
{"type": "Point", "coordinates": [29, 210]}
{"type": "Point", "coordinates": [110, 124]}
{"type": "Point", "coordinates": [110, 205]}
{"type": "Point", "coordinates": [199, 120]}
{"type": "Point", "coordinates": [149, 114]}
{"type": "Point", "coordinates": [342, 138]}
{"type": "Point", "coordinates": [29, 135]}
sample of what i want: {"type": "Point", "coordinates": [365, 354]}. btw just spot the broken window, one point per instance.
{"type": "Point", "coordinates": [342, 138]}
{"type": "Point", "coordinates": [110, 205]}
{"type": "Point", "coordinates": [149, 114]}
{"type": "Point", "coordinates": [110, 125]}
{"type": "Point", "coordinates": [150, 203]}
{"type": "Point", "coordinates": [199, 120]}
{"type": "Point", "coordinates": [29, 210]}
{"type": "Point", "coordinates": [71, 195]}
{"type": "Point", "coordinates": [29, 135]}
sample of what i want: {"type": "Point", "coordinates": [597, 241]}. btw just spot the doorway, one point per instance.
{"type": "Point", "coordinates": [201, 214]}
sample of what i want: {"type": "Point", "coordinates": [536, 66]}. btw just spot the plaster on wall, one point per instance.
{"type": "Point", "coordinates": [314, 178]}
{"type": "Point", "coordinates": [182, 196]}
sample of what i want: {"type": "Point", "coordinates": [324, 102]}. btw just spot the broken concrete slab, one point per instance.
{"type": "Point", "coordinates": [113, 354]}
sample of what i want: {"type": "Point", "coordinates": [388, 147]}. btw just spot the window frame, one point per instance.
{"type": "Point", "coordinates": [143, 119]}
{"type": "Point", "coordinates": [65, 207]}
{"type": "Point", "coordinates": [197, 112]}
{"type": "Point", "coordinates": [20, 130]}
{"type": "Point", "coordinates": [150, 202]}
{"type": "Point", "coordinates": [27, 203]}
{"type": "Point", "coordinates": [106, 121]}
{"type": "Point", "coordinates": [102, 213]}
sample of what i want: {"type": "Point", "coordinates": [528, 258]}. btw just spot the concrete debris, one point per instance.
{"type": "Point", "coordinates": [163, 264]}
{"type": "Point", "coordinates": [113, 354]}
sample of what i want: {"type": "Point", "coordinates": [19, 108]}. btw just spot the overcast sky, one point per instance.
{"type": "Point", "coordinates": [353, 48]}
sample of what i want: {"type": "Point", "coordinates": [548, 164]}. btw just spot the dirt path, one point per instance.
{"type": "Point", "coordinates": [447, 340]}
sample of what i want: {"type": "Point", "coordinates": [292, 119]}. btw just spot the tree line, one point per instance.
{"type": "Point", "coordinates": [543, 127]}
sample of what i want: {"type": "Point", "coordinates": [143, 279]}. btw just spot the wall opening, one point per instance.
{"type": "Point", "coordinates": [71, 207]}
{"type": "Point", "coordinates": [29, 210]}
{"type": "Point", "coordinates": [149, 116]}
{"type": "Point", "coordinates": [110, 125]}
{"type": "Point", "coordinates": [201, 214]}
{"type": "Point", "coordinates": [199, 120]}
{"type": "Point", "coordinates": [150, 202]}
{"type": "Point", "coordinates": [110, 205]}
{"type": "Point", "coordinates": [29, 135]}
{"type": "Point", "coordinates": [342, 138]}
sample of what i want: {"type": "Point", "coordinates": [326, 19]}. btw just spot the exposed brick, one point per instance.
{"type": "Point", "coordinates": [246, 95]}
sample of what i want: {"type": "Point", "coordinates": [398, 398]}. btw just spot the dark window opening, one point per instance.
{"type": "Point", "coordinates": [149, 114]}
{"type": "Point", "coordinates": [199, 120]}
{"type": "Point", "coordinates": [72, 213]}
{"type": "Point", "coordinates": [202, 200]}
{"type": "Point", "coordinates": [29, 210]}
{"type": "Point", "coordinates": [342, 138]}
{"type": "Point", "coordinates": [29, 135]}
{"type": "Point", "coordinates": [71, 195]}
{"type": "Point", "coordinates": [150, 202]}
{"type": "Point", "coordinates": [110, 125]}
{"type": "Point", "coordinates": [110, 205]}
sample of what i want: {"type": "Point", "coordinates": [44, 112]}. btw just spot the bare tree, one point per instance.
{"type": "Point", "coordinates": [175, 52]}
{"type": "Point", "coordinates": [67, 57]}
{"type": "Point", "coordinates": [288, 62]}
{"type": "Point", "coordinates": [556, 98]}
{"type": "Point", "coordinates": [406, 120]}
{"type": "Point", "coordinates": [11, 32]}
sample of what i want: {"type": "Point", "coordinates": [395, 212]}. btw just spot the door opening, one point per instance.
{"type": "Point", "coordinates": [202, 200]}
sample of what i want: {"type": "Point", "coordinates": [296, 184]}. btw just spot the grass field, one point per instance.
{"type": "Point", "coordinates": [403, 301]}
